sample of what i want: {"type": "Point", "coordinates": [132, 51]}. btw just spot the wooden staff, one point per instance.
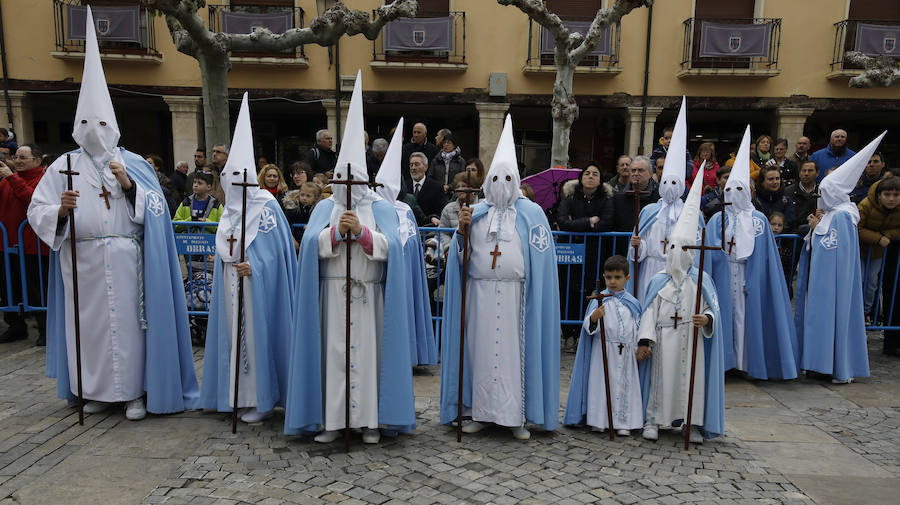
{"type": "Point", "coordinates": [464, 230]}
{"type": "Point", "coordinates": [702, 248]}
{"type": "Point", "coordinates": [68, 172]}
{"type": "Point", "coordinates": [609, 415]}
{"type": "Point", "coordinates": [240, 311]}
{"type": "Point", "coordinates": [636, 194]}
{"type": "Point", "coordinates": [349, 182]}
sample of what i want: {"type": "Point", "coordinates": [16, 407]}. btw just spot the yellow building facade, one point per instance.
{"type": "Point", "coordinates": [495, 63]}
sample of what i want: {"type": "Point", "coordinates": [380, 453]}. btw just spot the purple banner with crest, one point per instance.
{"type": "Point", "coordinates": [244, 22]}
{"type": "Point", "coordinates": [548, 43]}
{"type": "Point", "coordinates": [873, 40]}
{"type": "Point", "coordinates": [121, 24]}
{"type": "Point", "coordinates": [722, 39]}
{"type": "Point", "coordinates": [419, 34]}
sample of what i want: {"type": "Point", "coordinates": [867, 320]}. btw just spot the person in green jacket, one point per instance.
{"type": "Point", "coordinates": [200, 206]}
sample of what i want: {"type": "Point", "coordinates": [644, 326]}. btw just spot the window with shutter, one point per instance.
{"type": "Point", "coordinates": [874, 9]}
{"type": "Point", "coordinates": [724, 10]}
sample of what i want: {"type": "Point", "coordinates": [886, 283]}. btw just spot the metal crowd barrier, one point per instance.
{"type": "Point", "coordinates": [580, 258]}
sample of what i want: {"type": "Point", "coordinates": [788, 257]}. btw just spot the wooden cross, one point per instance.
{"type": "Point", "coordinates": [496, 252]}
{"type": "Point", "coordinates": [464, 232]}
{"type": "Point", "coordinates": [69, 173]}
{"type": "Point", "coordinates": [609, 415]}
{"type": "Point", "coordinates": [730, 244]}
{"type": "Point", "coordinates": [676, 318]}
{"type": "Point", "coordinates": [105, 195]}
{"type": "Point", "coordinates": [231, 240]}
{"type": "Point", "coordinates": [636, 194]}
{"type": "Point", "coordinates": [665, 243]}
{"type": "Point", "coordinates": [724, 204]}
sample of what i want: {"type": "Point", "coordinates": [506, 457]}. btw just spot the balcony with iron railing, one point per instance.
{"type": "Point", "coordinates": [739, 47]}
{"type": "Point", "coordinates": [125, 31]}
{"type": "Point", "coordinates": [871, 37]}
{"type": "Point", "coordinates": [603, 60]}
{"type": "Point", "coordinates": [434, 41]}
{"type": "Point", "coordinates": [242, 19]}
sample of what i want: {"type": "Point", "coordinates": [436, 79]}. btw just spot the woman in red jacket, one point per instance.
{"type": "Point", "coordinates": [706, 152]}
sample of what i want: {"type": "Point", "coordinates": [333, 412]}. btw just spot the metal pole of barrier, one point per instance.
{"type": "Point", "coordinates": [6, 269]}
{"type": "Point", "coordinates": [889, 317]}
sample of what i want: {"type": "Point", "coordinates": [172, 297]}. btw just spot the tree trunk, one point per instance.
{"type": "Point", "coordinates": [214, 73]}
{"type": "Point", "coordinates": [563, 109]}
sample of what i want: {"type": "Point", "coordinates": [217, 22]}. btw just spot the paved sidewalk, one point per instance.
{"type": "Point", "coordinates": [796, 442]}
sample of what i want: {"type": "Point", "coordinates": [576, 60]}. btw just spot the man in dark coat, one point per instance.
{"type": "Point", "coordinates": [419, 144]}
{"type": "Point", "coordinates": [428, 192]}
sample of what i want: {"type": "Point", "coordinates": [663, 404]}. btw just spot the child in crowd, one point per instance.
{"type": "Point", "coordinates": [321, 180]}
{"type": "Point", "coordinates": [587, 389]}
{"type": "Point", "coordinates": [879, 223]}
{"type": "Point", "coordinates": [200, 206]}
{"type": "Point", "coordinates": [785, 249]}
{"type": "Point", "coordinates": [298, 206]}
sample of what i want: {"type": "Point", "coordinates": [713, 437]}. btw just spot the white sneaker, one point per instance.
{"type": "Point", "coordinates": [135, 410]}
{"type": "Point", "coordinates": [472, 427]}
{"type": "Point", "coordinates": [93, 407]}
{"type": "Point", "coordinates": [327, 437]}
{"type": "Point", "coordinates": [521, 433]}
{"type": "Point", "coordinates": [623, 433]}
{"type": "Point", "coordinates": [651, 432]}
{"type": "Point", "coordinates": [255, 416]}
{"type": "Point", "coordinates": [371, 436]}
{"type": "Point", "coordinates": [838, 381]}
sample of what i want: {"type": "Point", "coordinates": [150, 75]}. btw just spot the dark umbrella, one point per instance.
{"type": "Point", "coordinates": [546, 184]}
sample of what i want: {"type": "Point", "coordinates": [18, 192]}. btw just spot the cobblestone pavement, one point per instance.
{"type": "Point", "coordinates": [793, 442]}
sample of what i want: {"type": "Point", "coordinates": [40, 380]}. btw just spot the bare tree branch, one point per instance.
{"type": "Point", "coordinates": [536, 10]}
{"type": "Point", "coordinates": [882, 71]}
{"type": "Point", "coordinates": [604, 18]}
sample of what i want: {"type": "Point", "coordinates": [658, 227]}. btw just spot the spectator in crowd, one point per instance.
{"type": "Point", "coordinates": [760, 155]}
{"type": "Point", "coordinates": [873, 173]}
{"type": "Point", "coordinates": [321, 180]}
{"type": "Point", "coordinates": [770, 195]}
{"type": "Point", "coordinates": [199, 206]}
{"type": "Point", "coordinates": [428, 192]}
{"type": "Point", "coordinates": [18, 178]}
{"type": "Point", "coordinates": [785, 250]}
{"type": "Point", "coordinates": [7, 141]}
{"type": "Point", "coordinates": [475, 169]}
{"type": "Point", "coordinates": [658, 165]}
{"type": "Point", "coordinates": [834, 154]}
{"type": "Point", "coordinates": [623, 203]}
{"type": "Point", "coordinates": [300, 172]}
{"type": "Point", "coordinates": [804, 194]}
{"type": "Point", "coordinates": [441, 134]}
{"type": "Point", "coordinates": [164, 182]}
{"type": "Point", "coordinates": [623, 174]}
{"type": "Point", "coordinates": [200, 165]}
{"type": "Point", "coordinates": [706, 152]}
{"type": "Point", "coordinates": [298, 205]}
{"type": "Point", "coordinates": [179, 179]}
{"type": "Point", "coordinates": [271, 179]}
{"type": "Point", "coordinates": [261, 162]}
{"type": "Point", "coordinates": [663, 148]}
{"type": "Point", "coordinates": [527, 192]}
{"type": "Point", "coordinates": [779, 159]}
{"type": "Point", "coordinates": [450, 213]}
{"type": "Point", "coordinates": [447, 163]}
{"type": "Point", "coordinates": [713, 201]}
{"type": "Point", "coordinates": [322, 157]}
{"type": "Point", "coordinates": [879, 224]}
{"type": "Point", "coordinates": [375, 156]}
{"type": "Point", "coordinates": [418, 144]}
{"type": "Point", "coordinates": [200, 158]}
{"type": "Point", "coordinates": [801, 151]}
{"type": "Point", "coordinates": [6, 154]}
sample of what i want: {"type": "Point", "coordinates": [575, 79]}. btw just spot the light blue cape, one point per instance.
{"type": "Point", "coordinates": [272, 261]}
{"type": "Point", "coordinates": [423, 348]}
{"type": "Point", "coordinates": [169, 378]}
{"type": "Point", "coordinates": [542, 329]}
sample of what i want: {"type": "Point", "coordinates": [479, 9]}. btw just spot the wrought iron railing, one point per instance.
{"type": "Point", "coordinates": [61, 30]}
{"type": "Point", "coordinates": [541, 44]}
{"type": "Point", "coordinates": [691, 55]}
{"type": "Point", "coordinates": [295, 14]}
{"type": "Point", "coordinates": [845, 33]}
{"type": "Point", "coordinates": [453, 52]}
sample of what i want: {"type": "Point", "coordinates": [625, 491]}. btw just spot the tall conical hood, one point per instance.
{"type": "Point", "coordinates": [835, 188]}
{"type": "Point", "coordinates": [240, 158]}
{"type": "Point", "coordinates": [501, 185]}
{"type": "Point", "coordinates": [679, 261]}
{"type": "Point", "coordinates": [737, 189]}
{"type": "Point", "coordinates": [353, 151]}
{"type": "Point", "coordinates": [389, 173]}
{"type": "Point", "coordinates": [96, 129]}
{"type": "Point", "coordinates": [671, 181]}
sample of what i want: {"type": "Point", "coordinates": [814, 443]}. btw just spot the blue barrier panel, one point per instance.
{"type": "Point", "coordinates": [195, 241]}
{"type": "Point", "coordinates": [8, 306]}
{"type": "Point", "coordinates": [38, 263]}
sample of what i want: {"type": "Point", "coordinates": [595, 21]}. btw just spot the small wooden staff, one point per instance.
{"type": "Point", "coordinates": [68, 172]}
{"type": "Point", "coordinates": [702, 248]}
{"type": "Point", "coordinates": [240, 311]}
{"type": "Point", "coordinates": [609, 415]}
{"type": "Point", "coordinates": [462, 310]}
{"type": "Point", "coordinates": [349, 182]}
{"type": "Point", "coordinates": [636, 193]}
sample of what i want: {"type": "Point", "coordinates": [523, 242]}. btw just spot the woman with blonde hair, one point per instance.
{"type": "Point", "coordinates": [271, 179]}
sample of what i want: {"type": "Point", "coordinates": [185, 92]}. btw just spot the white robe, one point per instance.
{"type": "Point", "coordinates": [624, 382]}
{"type": "Point", "coordinates": [247, 384]}
{"type": "Point", "coordinates": [651, 255]}
{"type": "Point", "coordinates": [737, 269]}
{"type": "Point", "coordinates": [671, 366]}
{"type": "Point", "coordinates": [366, 321]}
{"type": "Point", "coordinates": [494, 324]}
{"type": "Point", "coordinates": [112, 341]}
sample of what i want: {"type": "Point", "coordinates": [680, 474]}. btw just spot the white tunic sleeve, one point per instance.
{"type": "Point", "coordinates": [587, 319]}
{"type": "Point", "coordinates": [647, 328]}
{"type": "Point", "coordinates": [43, 211]}
{"type": "Point", "coordinates": [140, 204]}
{"type": "Point", "coordinates": [706, 331]}
{"type": "Point", "coordinates": [379, 246]}
{"type": "Point", "coordinates": [325, 249]}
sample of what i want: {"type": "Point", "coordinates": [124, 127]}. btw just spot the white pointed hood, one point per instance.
{"type": "Point", "coordinates": [835, 188]}
{"type": "Point", "coordinates": [240, 158]}
{"type": "Point", "coordinates": [740, 212]}
{"type": "Point", "coordinates": [671, 182]}
{"type": "Point", "coordinates": [353, 152]}
{"type": "Point", "coordinates": [678, 260]}
{"type": "Point", "coordinates": [389, 173]}
{"type": "Point", "coordinates": [96, 129]}
{"type": "Point", "coordinates": [501, 186]}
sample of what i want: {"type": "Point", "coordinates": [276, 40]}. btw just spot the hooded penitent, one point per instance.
{"type": "Point", "coordinates": [389, 176]}
{"type": "Point", "coordinates": [740, 212]}
{"type": "Point", "coordinates": [671, 182]}
{"type": "Point", "coordinates": [240, 159]}
{"type": "Point", "coordinates": [353, 152]}
{"type": "Point", "coordinates": [501, 184]}
{"type": "Point", "coordinates": [678, 260]}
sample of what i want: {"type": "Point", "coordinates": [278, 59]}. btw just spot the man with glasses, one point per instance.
{"type": "Point", "coordinates": [17, 182]}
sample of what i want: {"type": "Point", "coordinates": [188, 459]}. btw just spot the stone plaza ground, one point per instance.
{"type": "Point", "coordinates": [796, 442]}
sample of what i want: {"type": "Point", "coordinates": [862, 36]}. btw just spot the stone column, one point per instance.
{"type": "Point", "coordinates": [328, 103]}
{"type": "Point", "coordinates": [490, 126]}
{"type": "Point", "coordinates": [791, 121]}
{"type": "Point", "coordinates": [187, 127]}
{"type": "Point", "coordinates": [23, 117]}
{"type": "Point", "coordinates": [633, 130]}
